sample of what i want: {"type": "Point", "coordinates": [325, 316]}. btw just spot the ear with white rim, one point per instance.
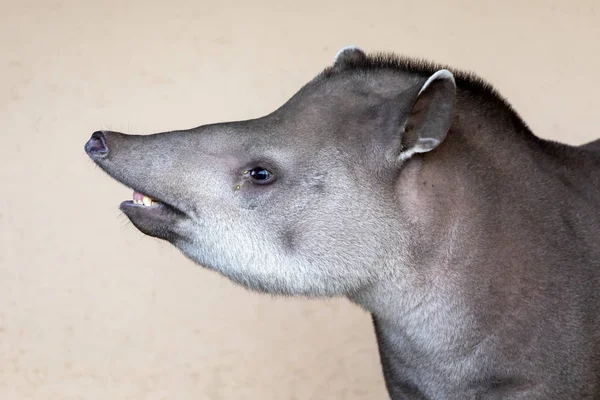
{"type": "Point", "coordinates": [431, 115]}
{"type": "Point", "coordinates": [348, 55]}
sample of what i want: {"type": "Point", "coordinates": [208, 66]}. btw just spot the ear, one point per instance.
{"type": "Point", "coordinates": [431, 115]}
{"type": "Point", "coordinates": [347, 56]}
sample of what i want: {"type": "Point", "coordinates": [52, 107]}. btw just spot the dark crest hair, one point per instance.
{"type": "Point", "coordinates": [473, 84]}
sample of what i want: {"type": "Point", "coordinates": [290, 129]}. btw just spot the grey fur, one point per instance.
{"type": "Point", "coordinates": [476, 251]}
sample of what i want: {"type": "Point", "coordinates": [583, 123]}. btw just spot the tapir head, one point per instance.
{"type": "Point", "coordinates": [301, 201]}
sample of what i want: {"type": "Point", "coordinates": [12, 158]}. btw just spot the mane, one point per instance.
{"type": "Point", "coordinates": [465, 80]}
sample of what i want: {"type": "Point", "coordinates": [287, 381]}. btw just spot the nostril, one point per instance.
{"type": "Point", "coordinates": [97, 144]}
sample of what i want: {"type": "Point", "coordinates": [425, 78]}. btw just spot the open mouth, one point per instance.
{"type": "Point", "coordinates": [150, 206]}
{"type": "Point", "coordinates": [152, 216]}
{"type": "Point", "coordinates": [143, 200]}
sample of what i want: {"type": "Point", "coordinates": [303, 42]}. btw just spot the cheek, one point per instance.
{"type": "Point", "coordinates": [290, 239]}
{"type": "Point", "coordinates": [248, 196]}
{"type": "Point", "coordinates": [228, 229]}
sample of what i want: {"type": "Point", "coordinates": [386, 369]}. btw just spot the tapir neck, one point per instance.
{"type": "Point", "coordinates": [485, 213]}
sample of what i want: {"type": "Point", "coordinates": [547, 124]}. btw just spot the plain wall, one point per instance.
{"type": "Point", "coordinates": [92, 309]}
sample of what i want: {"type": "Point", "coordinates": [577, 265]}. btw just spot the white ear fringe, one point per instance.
{"type": "Point", "coordinates": [343, 49]}
{"type": "Point", "coordinates": [441, 74]}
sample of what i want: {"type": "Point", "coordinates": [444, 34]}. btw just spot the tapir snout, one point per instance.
{"type": "Point", "coordinates": [151, 166]}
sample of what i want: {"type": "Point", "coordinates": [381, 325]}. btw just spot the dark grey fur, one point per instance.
{"type": "Point", "coordinates": [473, 242]}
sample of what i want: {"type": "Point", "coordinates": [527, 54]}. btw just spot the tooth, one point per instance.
{"type": "Point", "coordinates": [153, 203]}
{"type": "Point", "coordinates": [147, 201]}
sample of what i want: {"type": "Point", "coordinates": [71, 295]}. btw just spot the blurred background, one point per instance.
{"type": "Point", "coordinates": [92, 309]}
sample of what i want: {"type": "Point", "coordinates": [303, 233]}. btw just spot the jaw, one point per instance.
{"type": "Point", "coordinates": [159, 220]}
{"type": "Point", "coordinates": [153, 216]}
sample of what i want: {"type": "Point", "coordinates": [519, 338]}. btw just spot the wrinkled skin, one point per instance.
{"type": "Point", "coordinates": [415, 193]}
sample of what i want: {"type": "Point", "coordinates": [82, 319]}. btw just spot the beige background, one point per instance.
{"type": "Point", "coordinates": [90, 308]}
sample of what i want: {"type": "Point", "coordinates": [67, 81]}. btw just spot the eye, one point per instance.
{"type": "Point", "coordinates": [260, 175]}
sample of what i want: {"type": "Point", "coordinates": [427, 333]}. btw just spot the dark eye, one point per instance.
{"type": "Point", "coordinates": [260, 175]}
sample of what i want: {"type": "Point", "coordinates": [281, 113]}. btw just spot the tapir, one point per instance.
{"type": "Point", "coordinates": [412, 189]}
